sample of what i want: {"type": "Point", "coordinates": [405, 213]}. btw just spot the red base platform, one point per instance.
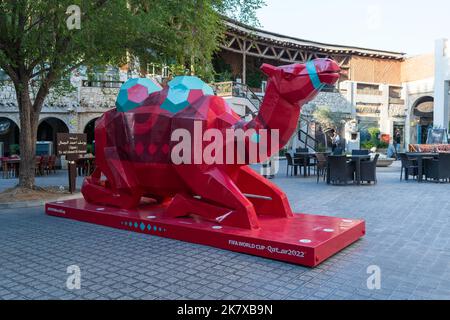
{"type": "Point", "coordinates": [306, 240]}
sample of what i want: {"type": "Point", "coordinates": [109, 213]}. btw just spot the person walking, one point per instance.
{"type": "Point", "coordinates": [397, 141]}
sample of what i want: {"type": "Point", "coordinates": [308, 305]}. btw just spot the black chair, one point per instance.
{"type": "Point", "coordinates": [360, 152]}
{"type": "Point", "coordinates": [306, 162]}
{"type": "Point", "coordinates": [369, 170]}
{"type": "Point", "coordinates": [438, 169]}
{"type": "Point", "coordinates": [291, 163]}
{"type": "Point", "coordinates": [321, 166]}
{"type": "Point", "coordinates": [409, 166]}
{"type": "Point", "coordinates": [341, 170]}
{"type": "Point", "coordinates": [312, 163]}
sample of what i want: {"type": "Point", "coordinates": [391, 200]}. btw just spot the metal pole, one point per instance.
{"type": "Point", "coordinates": [244, 63]}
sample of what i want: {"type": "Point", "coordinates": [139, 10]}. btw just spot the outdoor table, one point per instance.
{"type": "Point", "coordinates": [14, 162]}
{"type": "Point", "coordinates": [304, 157]}
{"type": "Point", "coordinates": [420, 156]}
{"type": "Point", "coordinates": [357, 160]}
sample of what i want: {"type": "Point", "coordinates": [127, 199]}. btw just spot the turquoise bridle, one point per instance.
{"type": "Point", "coordinates": [312, 72]}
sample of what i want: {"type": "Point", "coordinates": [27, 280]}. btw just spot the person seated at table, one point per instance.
{"type": "Point", "coordinates": [391, 152]}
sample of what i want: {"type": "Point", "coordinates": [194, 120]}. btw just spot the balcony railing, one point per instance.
{"type": "Point", "coordinates": [369, 92]}
{"type": "Point", "coordinates": [223, 89]}
{"type": "Point", "coordinates": [396, 101]}
{"type": "Point", "coordinates": [101, 84]}
{"type": "Point", "coordinates": [397, 110]}
{"type": "Point", "coordinates": [361, 109]}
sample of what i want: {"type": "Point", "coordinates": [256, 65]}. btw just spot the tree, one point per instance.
{"type": "Point", "coordinates": [328, 119]}
{"type": "Point", "coordinates": [43, 41]}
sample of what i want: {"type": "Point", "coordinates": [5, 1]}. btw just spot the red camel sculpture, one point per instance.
{"type": "Point", "coordinates": [224, 204]}
{"type": "Point", "coordinates": [133, 150]}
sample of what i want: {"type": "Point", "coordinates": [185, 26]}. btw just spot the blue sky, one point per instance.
{"type": "Point", "coordinates": [409, 26]}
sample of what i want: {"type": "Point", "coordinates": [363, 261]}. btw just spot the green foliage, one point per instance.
{"type": "Point", "coordinates": [34, 34]}
{"type": "Point", "coordinates": [223, 71]}
{"type": "Point", "coordinates": [328, 119]}
{"type": "Point", "coordinates": [14, 149]}
{"type": "Point", "coordinates": [90, 148]}
{"type": "Point", "coordinates": [374, 133]}
{"type": "Point", "coordinates": [368, 145]}
{"type": "Point", "coordinates": [240, 10]}
{"type": "Point", "coordinates": [38, 49]}
{"type": "Point", "coordinates": [382, 145]}
{"type": "Point", "coordinates": [254, 78]}
{"type": "Point", "coordinates": [321, 147]}
{"type": "Point", "coordinates": [282, 152]}
{"type": "Point", "coordinates": [374, 141]}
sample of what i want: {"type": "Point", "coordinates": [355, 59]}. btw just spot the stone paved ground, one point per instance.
{"type": "Point", "coordinates": [408, 237]}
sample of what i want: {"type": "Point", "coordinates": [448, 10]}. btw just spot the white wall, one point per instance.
{"type": "Point", "coordinates": [442, 78]}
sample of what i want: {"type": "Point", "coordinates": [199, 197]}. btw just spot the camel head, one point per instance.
{"type": "Point", "coordinates": [300, 83]}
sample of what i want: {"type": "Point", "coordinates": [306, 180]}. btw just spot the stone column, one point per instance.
{"type": "Point", "coordinates": [244, 62]}
{"type": "Point", "coordinates": [441, 86]}
{"type": "Point", "coordinates": [384, 111]}
{"type": "Point", "coordinates": [350, 95]}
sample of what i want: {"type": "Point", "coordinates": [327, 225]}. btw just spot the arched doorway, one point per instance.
{"type": "Point", "coordinates": [89, 129]}
{"type": "Point", "coordinates": [47, 130]}
{"type": "Point", "coordinates": [9, 137]}
{"type": "Point", "coordinates": [422, 119]}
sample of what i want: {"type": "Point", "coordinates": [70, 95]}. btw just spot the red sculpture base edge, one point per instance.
{"type": "Point", "coordinates": [306, 240]}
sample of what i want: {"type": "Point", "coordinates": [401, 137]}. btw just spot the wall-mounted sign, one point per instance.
{"type": "Point", "coordinates": [72, 145]}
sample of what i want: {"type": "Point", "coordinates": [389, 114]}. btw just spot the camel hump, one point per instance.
{"type": "Point", "coordinates": [134, 92]}
{"type": "Point", "coordinates": [184, 91]}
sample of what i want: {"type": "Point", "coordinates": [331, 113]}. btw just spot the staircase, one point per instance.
{"type": "Point", "coordinates": [242, 93]}
{"type": "Point", "coordinates": [306, 136]}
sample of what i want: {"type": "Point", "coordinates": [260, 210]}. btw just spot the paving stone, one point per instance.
{"type": "Point", "coordinates": [407, 237]}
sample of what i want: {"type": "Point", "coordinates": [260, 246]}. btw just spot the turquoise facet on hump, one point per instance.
{"type": "Point", "coordinates": [183, 91]}
{"type": "Point", "coordinates": [134, 92]}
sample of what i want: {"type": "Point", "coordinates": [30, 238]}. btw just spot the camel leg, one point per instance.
{"type": "Point", "coordinates": [119, 190]}
{"type": "Point", "coordinates": [100, 192]}
{"type": "Point", "coordinates": [220, 199]}
{"type": "Point", "coordinates": [267, 198]}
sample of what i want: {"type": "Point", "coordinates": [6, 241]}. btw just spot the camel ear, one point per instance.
{"type": "Point", "coordinates": [269, 70]}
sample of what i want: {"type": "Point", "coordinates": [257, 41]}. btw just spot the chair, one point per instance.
{"type": "Point", "coordinates": [306, 162]}
{"type": "Point", "coordinates": [290, 163]}
{"type": "Point", "coordinates": [369, 170]}
{"type": "Point", "coordinates": [341, 171]}
{"type": "Point", "coordinates": [5, 168]}
{"type": "Point", "coordinates": [360, 152]}
{"type": "Point", "coordinates": [438, 169]}
{"type": "Point", "coordinates": [51, 165]}
{"type": "Point", "coordinates": [37, 168]}
{"type": "Point", "coordinates": [409, 166]}
{"type": "Point", "coordinates": [322, 164]}
{"type": "Point", "coordinates": [44, 165]}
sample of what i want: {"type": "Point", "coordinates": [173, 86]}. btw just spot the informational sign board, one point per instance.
{"type": "Point", "coordinates": [71, 145]}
